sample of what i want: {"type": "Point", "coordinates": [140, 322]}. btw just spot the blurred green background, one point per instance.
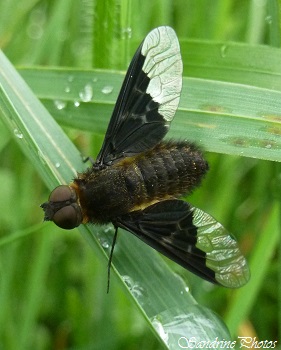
{"type": "Point", "coordinates": [52, 287]}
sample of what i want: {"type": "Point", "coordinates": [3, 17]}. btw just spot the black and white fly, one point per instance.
{"type": "Point", "coordinates": [137, 177]}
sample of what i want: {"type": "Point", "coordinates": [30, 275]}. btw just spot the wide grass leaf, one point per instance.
{"type": "Point", "coordinates": [161, 295]}
{"type": "Point", "coordinates": [222, 116]}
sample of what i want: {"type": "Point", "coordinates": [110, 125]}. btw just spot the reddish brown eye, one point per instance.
{"type": "Point", "coordinates": [68, 217]}
{"type": "Point", "coordinates": [62, 193]}
{"type": "Point", "coordinates": [63, 208]}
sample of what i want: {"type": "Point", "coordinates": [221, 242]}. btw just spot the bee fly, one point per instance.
{"type": "Point", "coordinates": [137, 178]}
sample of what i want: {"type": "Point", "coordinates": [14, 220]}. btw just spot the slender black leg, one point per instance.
{"type": "Point", "coordinates": [110, 258]}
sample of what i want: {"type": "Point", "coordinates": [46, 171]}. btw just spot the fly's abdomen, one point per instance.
{"type": "Point", "coordinates": [170, 169]}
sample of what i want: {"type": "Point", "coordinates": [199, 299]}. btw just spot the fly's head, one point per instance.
{"type": "Point", "coordinates": [63, 208]}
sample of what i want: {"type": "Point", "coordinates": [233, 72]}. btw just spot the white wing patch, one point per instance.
{"type": "Point", "coordinates": [222, 252]}
{"type": "Point", "coordinates": [163, 65]}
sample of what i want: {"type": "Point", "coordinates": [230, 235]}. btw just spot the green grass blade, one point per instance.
{"type": "Point", "coordinates": [245, 298]}
{"type": "Point", "coordinates": [256, 65]}
{"type": "Point", "coordinates": [73, 310]}
{"type": "Point", "coordinates": [223, 117]}
{"type": "Point", "coordinates": [256, 23]}
{"type": "Point", "coordinates": [272, 21]}
{"type": "Point", "coordinates": [161, 295]}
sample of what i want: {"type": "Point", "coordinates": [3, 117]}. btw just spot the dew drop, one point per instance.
{"type": "Point", "coordinates": [35, 31]}
{"type": "Point", "coordinates": [107, 89]}
{"type": "Point", "coordinates": [70, 78]}
{"type": "Point", "coordinates": [109, 229]}
{"type": "Point", "coordinates": [57, 165]}
{"type": "Point", "coordinates": [18, 134]}
{"type": "Point", "coordinates": [59, 104]}
{"type": "Point", "coordinates": [41, 157]}
{"type": "Point", "coordinates": [104, 244]}
{"type": "Point", "coordinates": [128, 280]}
{"type": "Point", "coordinates": [138, 292]}
{"type": "Point", "coordinates": [76, 103]}
{"type": "Point", "coordinates": [136, 289]}
{"type": "Point", "coordinates": [67, 89]}
{"type": "Point", "coordinates": [87, 93]}
{"type": "Point", "coordinates": [160, 329]}
{"type": "Point", "coordinates": [103, 237]}
{"type": "Point", "coordinates": [127, 33]}
{"type": "Point", "coordinates": [223, 50]}
{"type": "Point", "coordinates": [268, 19]}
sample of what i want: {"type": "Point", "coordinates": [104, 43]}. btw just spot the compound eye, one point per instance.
{"type": "Point", "coordinates": [62, 193]}
{"type": "Point", "coordinates": [68, 217]}
{"type": "Point", "coordinates": [63, 208]}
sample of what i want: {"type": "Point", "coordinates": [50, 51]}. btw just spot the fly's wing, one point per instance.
{"type": "Point", "coordinates": [148, 98]}
{"type": "Point", "coordinates": [191, 238]}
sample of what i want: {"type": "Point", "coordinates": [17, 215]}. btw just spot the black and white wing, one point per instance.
{"type": "Point", "coordinates": [191, 238]}
{"type": "Point", "coordinates": [148, 99]}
